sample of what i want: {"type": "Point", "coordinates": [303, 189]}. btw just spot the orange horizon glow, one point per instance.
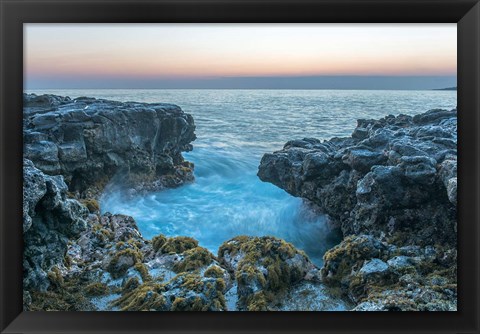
{"type": "Point", "coordinates": [227, 50]}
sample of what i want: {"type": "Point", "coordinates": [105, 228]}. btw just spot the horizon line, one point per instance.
{"type": "Point", "coordinates": [200, 88]}
{"type": "Point", "coordinates": [384, 82]}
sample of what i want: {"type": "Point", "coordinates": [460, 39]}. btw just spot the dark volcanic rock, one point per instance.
{"type": "Point", "coordinates": [264, 269]}
{"type": "Point", "coordinates": [392, 188]}
{"type": "Point", "coordinates": [50, 219]}
{"type": "Point", "coordinates": [378, 276]}
{"type": "Point", "coordinates": [78, 259]}
{"type": "Point", "coordinates": [89, 141]}
{"type": "Point", "coordinates": [395, 173]}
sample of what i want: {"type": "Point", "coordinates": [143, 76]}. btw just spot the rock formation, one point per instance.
{"type": "Point", "coordinates": [89, 141]}
{"type": "Point", "coordinates": [77, 259]}
{"type": "Point", "coordinates": [50, 220]}
{"type": "Point", "coordinates": [391, 187]}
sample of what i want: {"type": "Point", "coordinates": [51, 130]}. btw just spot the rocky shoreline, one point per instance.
{"type": "Point", "coordinates": [78, 259]}
{"type": "Point", "coordinates": [89, 141]}
{"type": "Point", "coordinates": [391, 188]}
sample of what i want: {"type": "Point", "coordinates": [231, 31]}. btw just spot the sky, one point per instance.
{"type": "Point", "coordinates": [349, 56]}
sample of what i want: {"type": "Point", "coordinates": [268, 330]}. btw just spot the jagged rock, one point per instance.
{"type": "Point", "coordinates": [110, 266]}
{"type": "Point", "coordinates": [50, 220]}
{"type": "Point", "coordinates": [380, 276]}
{"type": "Point", "coordinates": [373, 267]}
{"type": "Point", "coordinates": [263, 268]}
{"type": "Point", "coordinates": [400, 262]}
{"type": "Point", "coordinates": [102, 262]}
{"type": "Point", "coordinates": [392, 188]}
{"type": "Point", "coordinates": [393, 174]}
{"type": "Point", "coordinates": [448, 175]}
{"type": "Point", "coordinates": [89, 141]}
{"type": "Point", "coordinates": [185, 292]}
{"type": "Point", "coordinates": [311, 296]}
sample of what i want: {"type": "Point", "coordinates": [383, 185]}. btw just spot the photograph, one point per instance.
{"type": "Point", "coordinates": [239, 167]}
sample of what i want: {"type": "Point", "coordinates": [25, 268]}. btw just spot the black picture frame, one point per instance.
{"type": "Point", "coordinates": [14, 13]}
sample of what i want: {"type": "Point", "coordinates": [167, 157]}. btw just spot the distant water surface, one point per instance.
{"type": "Point", "coordinates": [234, 129]}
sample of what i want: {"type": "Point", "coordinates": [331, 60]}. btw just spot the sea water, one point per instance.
{"type": "Point", "coordinates": [234, 129]}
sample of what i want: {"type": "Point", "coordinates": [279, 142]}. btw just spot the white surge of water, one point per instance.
{"type": "Point", "coordinates": [226, 200]}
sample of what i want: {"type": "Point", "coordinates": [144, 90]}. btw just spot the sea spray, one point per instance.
{"type": "Point", "coordinates": [226, 200]}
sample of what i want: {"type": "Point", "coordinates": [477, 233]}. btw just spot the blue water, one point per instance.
{"type": "Point", "coordinates": [234, 129]}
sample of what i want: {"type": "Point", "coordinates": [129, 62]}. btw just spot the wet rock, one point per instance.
{"type": "Point", "coordinates": [373, 267]}
{"type": "Point", "coordinates": [392, 188]}
{"type": "Point", "coordinates": [401, 168]}
{"type": "Point", "coordinates": [363, 160]}
{"type": "Point", "coordinates": [50, 220]}
{"type": "Point", "coordinates": [79, 259]}
{"type": "Point", "coordinates": [264, 268]}
{"type": "Point", "coordinates": [311, 296]}
{"type": "Point", "coordinates": [377, 276]}
{"type": "Point", "coordinates": [349, 256]}
{"type": "Point", "coordinates": [448, 175]}
{"type": "Point", "coordinates": [400, 262]}
{"type": "Point", "coordinates": [90, 141]}
{"type": "Point", "coordinates": [185, 292]}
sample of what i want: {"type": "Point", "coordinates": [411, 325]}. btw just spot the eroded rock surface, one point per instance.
{"type": "Point", "coordinates": [50, 220]}
{"type": "Point", "coordinates": [79, 259]}
{"type": "Point", "coordinates": [264, 269]}
{"type": "Point", "coordinates": [392, 174]}
{"type": "Point", "coordinates": [110, 266]}
{"type": "Point", "coordinates": [89, 141]}
{"type": "Point", "coordinates": [76, 260]}
{"type": "Point", "coordinates": [392, 188]}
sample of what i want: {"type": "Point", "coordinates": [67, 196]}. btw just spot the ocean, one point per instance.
{"type": "Point", "coordinates": [234, 129]}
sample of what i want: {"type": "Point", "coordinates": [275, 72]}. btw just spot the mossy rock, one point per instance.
{"type": "Point", "coordinates": [178, 245]}
{"type": "Point", "coordinates": [254, 248]}
{"type": "Point", "coordinates": [197, 304]}
{"type": "Point", "coordinates": [96, 289]}
{"type": "Point", "coordinates": [209, 290]}
{"type": "Point", "coordinates": [349, 255]}
{"type": "Point", "coordinates": [92, 205]}
{"type": "Point", "coordinates": [146, 297]}
{"type": "Point", "coordinates": [263, 264]}
{"type": "Point", "coordinates": [103, 235]}
{"type": "Point", "coordinates": [158, 242]}
{"type": "Point", "coordinates": [55, 277]}
{"type": "Point", "coordinates": [214, 271]}
{"type": "Point", "coordinates": [142, 269]}
{"type": "Point", "coordinates": [68, 296]}
{"type": "Point", "coordinates": [257, 302]}
{"type": "Point", "coordinates": [185, 292]}
{"type": "Point", "coordinates": [193, 259]}
{"type": "Point", "coordinates": [190, 304]}
{"type": "Point", "coordinates": [123, 260]}
{"type": "Point", "coordinates": [131, 284]}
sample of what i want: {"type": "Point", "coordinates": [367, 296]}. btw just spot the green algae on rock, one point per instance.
{"type": "Point", "coordinates": [380, 276]}
{"type": "Point", "coordinates": [178, 245]}
{"type": "Point", "coordinates": [391, 187]}
{"type": "Point", "coordinates": [264, 267]}
{"type": "Point", "coordinates": [193, 259]}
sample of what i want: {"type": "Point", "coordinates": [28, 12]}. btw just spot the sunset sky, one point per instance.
{"type": "Point", "coordinates": [184, 55]}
